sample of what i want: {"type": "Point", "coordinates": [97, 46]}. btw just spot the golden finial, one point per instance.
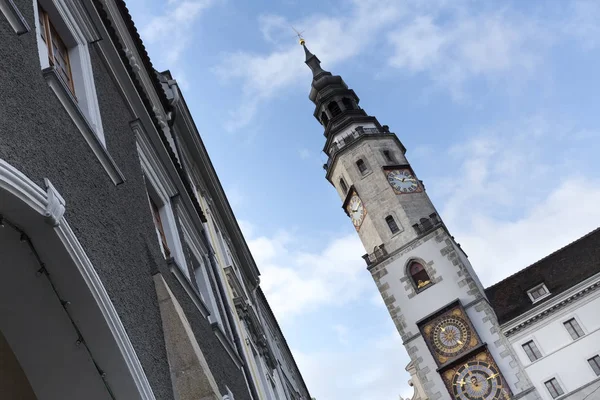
{"type": "Point", "coordinates": [299, 35]}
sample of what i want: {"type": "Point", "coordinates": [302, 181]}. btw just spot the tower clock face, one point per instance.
{"type": "Point", "coordinates": [451, 335]}
{"type": "Point", "coordinates": [403, 181]}
{"type": "Point", "coordinates": [478, 380]}
{"type": "Point", "coordinates": [356, 211]}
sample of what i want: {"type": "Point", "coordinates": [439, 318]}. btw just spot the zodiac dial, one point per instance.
{"type": "Point", "coordinates": [356, 211]}
{"type": "Point", "coordinates": [450, 336]}
{"type": "Point", "coordinates": [403, 181]}
{"type": "Point", "coordinates": [478, 380]}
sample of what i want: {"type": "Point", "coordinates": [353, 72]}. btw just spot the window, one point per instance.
{"type": "Point", "coordinates": [392, 224]}
{"type": "Point", "coordinates": [388, 156]}
{"type": "Point", "coordinates": [160, 230]}
{"type": "Point", "coordinates": [58, 53]}
{"type": "Point", "coordinates": [324, 119]}
{"type": "Point", "coordinates": [538, 292]}
{"type": "Point", "coordinates": [418, 275]}
{"type": "Point", "coordinates": [595, 364]}
{"type": "Point", "coordinates": [573, 328]}
{"type": "Point", "coordinates": [343, 186]}
{"type": "Point", "coordinates": [334, 109]}
{"type": "Point", "coordinates": [554, 388]}
{"type": "Point", "coordinates": [362, 167]}
{"type": "Point", "coordinates": [347, 103]}
{"type": "Point", "coordinates": [532, 351]}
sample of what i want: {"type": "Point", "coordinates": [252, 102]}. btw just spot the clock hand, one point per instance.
{"type": "Point", "coordinates": [492, 376]}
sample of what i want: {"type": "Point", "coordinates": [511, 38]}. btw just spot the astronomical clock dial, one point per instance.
{"type": "Point", "coordinates": [449, 334]}
{"type": "Point", "coordinates": [403, 181]}
{"type": "Point", "coordinates": [356, 210]}
{"type": "Point", "coordinates": [477, 379]}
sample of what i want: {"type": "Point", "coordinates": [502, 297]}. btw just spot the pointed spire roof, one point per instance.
{"type": "Point", "coordinates": [313, 63]}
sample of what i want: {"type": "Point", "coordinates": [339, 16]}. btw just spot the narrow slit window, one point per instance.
{"type": "Point", "coordinates": [388, 156]}
{"type": "Point", "coordinates": [554, 388]}
{"type": "Point", "coordinates": [532, 351]}
{"type": "Point", "coordinates": [58, 52]}
{"type": "Point", "coordinates": [595, 364]}
{"type": "Point", "coordinates": [418, 275]}
{"type": "Point", "coordinates": [158, 225]}
{"type": "Point", "coordinates": [573, 328]}
{"type": "Point", "coordinates": [362, 167]}
{"type": "Point", "coordinates": [343, 186]}
{"type": "Point", "coordinates": [392, 224]}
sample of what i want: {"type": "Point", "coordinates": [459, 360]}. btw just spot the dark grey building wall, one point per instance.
{"type": "Point", "coordinates": [113, 223]}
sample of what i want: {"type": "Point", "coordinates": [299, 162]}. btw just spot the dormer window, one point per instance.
{"type": "Point", "coordinates": [418, 275]}
{"type": "Point", "coordinates": [538, 292]}
{"type": "Point", "coordinates": [334, 108]}
{"type": "Point", "coordinates": [362, 167]}
{"type": "Point", "coordinates": [343, 186]}
{"type": "Point", "coordinates": [347, 103]}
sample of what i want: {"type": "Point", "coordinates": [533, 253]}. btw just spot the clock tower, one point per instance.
{"type": "Point", "coordinates": [432, 293]}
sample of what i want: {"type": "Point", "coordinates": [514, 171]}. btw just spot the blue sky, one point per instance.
{"type": "Point", "coordinates": [496, 102]}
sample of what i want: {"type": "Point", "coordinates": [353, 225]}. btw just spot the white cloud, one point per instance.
{"type": "Point", "coordinates": [169, 34]}
{"type": "Point", "coordinates": [298, 281]}
{"type": "Point", "coordinates": [467, 46]}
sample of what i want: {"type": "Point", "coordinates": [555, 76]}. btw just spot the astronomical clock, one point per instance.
{"type": "Point", "coordinates": [476, 378]}
{"type": "Point", "coordinates": [449, 334]}
{"type": "Point", "coordinates": [466, 366]}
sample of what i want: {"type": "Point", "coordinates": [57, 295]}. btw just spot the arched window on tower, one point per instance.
{"type": "Point", "coordinates": [343, 186]}
{"type": "Point", "coordinates": [418, 275]}
{"type": "Point", "coordinates": [334, 108]}
{"type": "Point", "coordinates": [362, 167]}
{"type": "Point", "coordinates": [347, 104]}
{"type": "Point", "coordinates": [392, 224]}
{"type": "Point", "coordinates": [324, 119]}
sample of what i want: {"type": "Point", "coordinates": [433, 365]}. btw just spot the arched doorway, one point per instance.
{"type": "Point", "coordinates": [56, 319]}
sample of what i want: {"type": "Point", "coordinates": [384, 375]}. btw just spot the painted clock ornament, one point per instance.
{"type": "Point", "coordinates": [477, 379]}
{"type": "Point", "coordinates": [356, 210]}
{"type": "Point", "coordinates": [451, 335]}
{"type": "Point", "coordinates": [403, 181]}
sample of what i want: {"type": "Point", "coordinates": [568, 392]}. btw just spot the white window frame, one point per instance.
{"type": "Point", "coordinates": [537, 287]}
{"type": "Point", "coordinates": [76, 31]}
{"type": "Point", "coordinates": [560, 384]}
{"type": "Point", "coordinates": [578, 321]}
{"type": "Point", "coordinates": [531, 339]}
{"type": "Point", "coordinates": [589, 357]}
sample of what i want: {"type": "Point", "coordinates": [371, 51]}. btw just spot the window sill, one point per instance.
{"type": "Point", "coordinates": [14, 17]}
{"type": "Point", "coordinates": [226, 344]}
{"type": "Point", "coordinates": [196, 299]}
{"type": "Point", "coordinates": [70, 104]}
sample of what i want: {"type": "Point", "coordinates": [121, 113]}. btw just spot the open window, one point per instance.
{"type": "Point", "coordinates": [418, 275]}
{"type": "Point", "coordinates": [334, 109]}
{"type": "Point", "coordinates": [347, 104]}
{"type": "Point", "coordinates": [63, 33]}
{"type": "Point", "coordinates": [159, 227]}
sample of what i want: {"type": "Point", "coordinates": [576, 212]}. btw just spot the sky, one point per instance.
{"type": "Point", "coordinates": [496, 102]}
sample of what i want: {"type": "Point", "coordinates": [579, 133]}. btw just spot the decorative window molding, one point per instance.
{"type": "Point", "coordinates": [75, 29]}
{"type": "Point", "coordinates": [538, 293]}
{"type": "Point", "coordinates": [14, 17]}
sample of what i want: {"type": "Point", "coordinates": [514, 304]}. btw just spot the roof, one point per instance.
{"type": "Point", "coordinates": [559, 271]}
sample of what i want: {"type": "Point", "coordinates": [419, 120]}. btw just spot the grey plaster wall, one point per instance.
{"type": "Point", "coordinates": [113, 223]}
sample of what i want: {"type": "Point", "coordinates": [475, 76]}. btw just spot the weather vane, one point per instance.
{"type": "Point", "coordinates": [299, 35]}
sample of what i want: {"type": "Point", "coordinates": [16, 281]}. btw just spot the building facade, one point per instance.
{"type": "Point", "coordinates": [453, 331]}
{"type": "Point", "coordinates": [125, 273]}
